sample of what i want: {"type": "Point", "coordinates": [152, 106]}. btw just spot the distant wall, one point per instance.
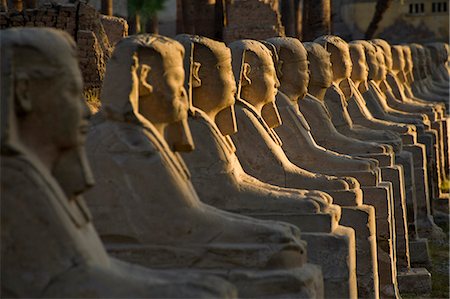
{"type": "Point", "coordinates": [94, 34]}
{"type": "Point", "coordinates": [257, 19]}
{"type": "Point", "coordinates": [352, 17]}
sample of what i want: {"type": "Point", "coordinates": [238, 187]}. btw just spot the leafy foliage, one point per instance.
{"type": "Point", "coordinates": [145, 8]}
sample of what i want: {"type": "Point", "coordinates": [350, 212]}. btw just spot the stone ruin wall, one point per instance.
{"type": "Point", "coordinates": [256, 19]}
{"type": "Point", "coordinates": [94, 34]}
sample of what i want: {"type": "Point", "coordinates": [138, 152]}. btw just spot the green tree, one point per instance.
{"type": "Point", "coordinates": [144, 14]}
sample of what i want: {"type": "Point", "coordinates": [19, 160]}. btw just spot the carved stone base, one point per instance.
{"type": "Point", "coordinates": [415, 281]}
{"type": "Point", "coordinates": [330, 246]}
{"type": "Point", "coordinates": [362, 220]}
{"type": "Point", "coordinates": [419, 252]}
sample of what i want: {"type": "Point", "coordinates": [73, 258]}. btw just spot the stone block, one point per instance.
{"type": "Point", "coordinates": [415, 281]}
{"type": "Point", "coordinates": [419, 252]}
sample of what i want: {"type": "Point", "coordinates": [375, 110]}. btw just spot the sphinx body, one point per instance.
{"type": "Point", "coordinates": [407, 79]}
{"type": "Point", "coordinates": [377, 104]}
{"type": "Point", "coordinates": [395, 99]}
{"type": "Point", "coordinates": [301, 148]}
{"type": "Point", "coordinates": [422, 82]}
{"type": "Point", "coordinates": [257, 144]}
{"type": "Point", "coordinates": [221, 181]}
{"type": "Point", "coordinates": [337, 100]}
{"type": "Point", "coordinates": [49, 246]}
{"type": "Point", "coordinates": [320, 119]}
{"type": "Point", "coordinates": [147, 184]}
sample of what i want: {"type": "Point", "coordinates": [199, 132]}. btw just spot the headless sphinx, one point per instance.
{"type": "Point", "coordinates": [49, 247]}
{"type": "Point", "coordinates": [158, 219]}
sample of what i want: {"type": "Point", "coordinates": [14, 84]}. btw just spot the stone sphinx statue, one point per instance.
{"type": "Point", "coordinates": [319, 119]}
{"type": "Point", "coordinates": [226, 185]}
{"type": "Point", "coordinates": [439, 57]}
{"type": "Point", "coordinates": [257, 101]}
{"type": "Point", "coordinates": [336, 97]}
{"type": "Point", "coordinates": [258, 145]}
{"type": "Point", "coordinates": [49, 247]}
{"type": "Point", "coordinates": [396, 98]}
{"type": "Point", "coordinates": [440, 74]}
{"type": "Point", "coordinates": [402, 66]}
{"type": "Point", "coordinates": [147, 210]}
{"type": "Point", "coordinates": [422, 83]}
{"type": "Point", "coordinates": [395, 63]}
{"type": "Point", "coordinates": [360, 114]}
{"type": "Point", "coordinates": [290, 59]}
{"type": "Point", "coordinates": [294, 78]}
{"type": "Point", "coordinates": [409, 81]}
{"type": "Point", "coordinates": [323, 130]}
{"type": "Point", "coordinates": [377, 104]}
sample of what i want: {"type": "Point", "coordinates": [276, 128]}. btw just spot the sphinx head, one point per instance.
{"type": "Point", "coordinates": [43, 110]}
{"type": "Point", "coordinates": [417, 67]}
{"type": "Point", "coordinates": [398, 58]}
{"type": "Point", "coordinates": [292, 67]}
{"type": "Point", "coordinates": [427, 59]}
{"type": "Point", "coordinates": [435, 52]}
{"type": "Point", "coordinates": [386, 50]}
{"type": "Point", "coordinates": [381, 64]}
{"type": "Point", "coordinates": [210, 79]}
{"type": "Point", "coordinates": [319, 65]}
{"type": "Point", "coordinates": [360, 70]}
{"type": "Point", "coordinates": [151, 90]}
{"type": "Point", "coordinates": [340, 56]}
{"type": "Point", "coordinates": [256, 78]}
{"type": "Point", "coordinates": [439, 52]}
{"type": "Point", "coordinates": [408, 69]}
{"type": "Point", "coordinates": [408, 58]}
{"type": "Point", "coordinates": [371, 58]}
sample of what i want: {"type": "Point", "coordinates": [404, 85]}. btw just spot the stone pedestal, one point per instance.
{"type": "Point", "coordinates": [394, 174]}
{"type": "Point", "coordinates": [419, 252]}
{"type": "Point", "coordinates": [414, 281]}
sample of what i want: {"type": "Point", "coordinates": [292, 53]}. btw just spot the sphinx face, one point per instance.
{"type": "Point", "coordinates": [162, 96]}
{"type": "Point", "coordinates": [58, 115]}
{"type": "Point", "coordinates": [408, 59]}
{"type": "Point", "coordinates": [381, 66]}
{"type": "Point", "coordinates": [296, 75]}
{"type": "Point", "coordinates": [217, 90]}
{"type": "Point", "coordinates": [372, 61]}
{"type": "Point", "coordinates": [360, 70]}
{"type": "Point", "coordinates": [427, 61]}
{"type": "Point", "coordinates": [263, 85]}
{"type": "Point", "coordinates": [321, 70]}
{"type": "Point", "coordinates": [68, 122]}
{"type": "Point", "coordinates": [387, 52]}
{"type": "Point", "coordinates": [398, 59]}
{"type": "Point", "coordinates": [341, 61]}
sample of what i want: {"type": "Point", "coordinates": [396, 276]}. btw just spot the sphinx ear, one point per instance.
{"type": "Point", "coordinates": [196, 81]}
{"type": "Point", "coordinates": [23, 97]}
{"type": "Point", "coordinates": [245, 74]}
{"type": "Point", "coordinates": [145, 86]}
